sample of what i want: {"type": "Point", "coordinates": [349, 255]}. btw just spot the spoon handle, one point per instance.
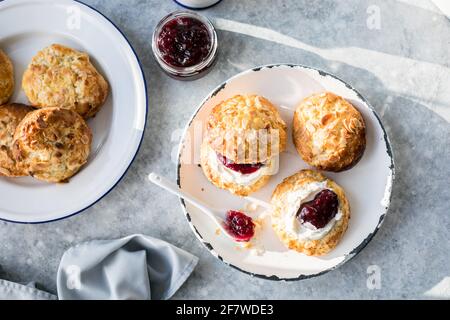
{"type": "Point", "coordinates": [173, 188]}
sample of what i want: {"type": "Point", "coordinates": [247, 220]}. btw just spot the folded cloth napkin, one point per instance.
{"type": "Point", "coordinates": [15, 291]}
{"type": "Point", "coordinates": [444, 6]}
{"type": "Point", "coordinates": [134, 267]}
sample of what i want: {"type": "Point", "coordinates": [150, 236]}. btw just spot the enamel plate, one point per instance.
{"type": "Point", "coordinates": [367, 185]}
{"type": "Point", "coordinates": [31, 25]}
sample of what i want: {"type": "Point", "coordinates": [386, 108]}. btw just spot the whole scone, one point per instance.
{"type": "Point", "coordinates": [6, 78]}
{"type": "Point", "coordinates": [310, 213]}
{"type": "Point", "coordinates": [329, 132]}
{"type": "Point", "coordinates": [10, 117]}
{"type": "Point", "coordinates": [246, 129]}
{"type": "Point", "coordinates": [52, 144]}
{"type": "Point", "coordinates": [59, 76]}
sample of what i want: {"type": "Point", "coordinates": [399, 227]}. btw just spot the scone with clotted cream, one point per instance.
{"type": "Point", "coordinates": [245, 135]}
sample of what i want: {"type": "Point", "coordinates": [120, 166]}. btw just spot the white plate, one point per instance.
{"type": "Point", "coordinates": [367, 185]}
{"type": "Point", "coordinates": [27, 27]}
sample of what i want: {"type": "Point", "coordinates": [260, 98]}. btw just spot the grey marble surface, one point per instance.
{"type": "Point", "coordinates": [402, 68]}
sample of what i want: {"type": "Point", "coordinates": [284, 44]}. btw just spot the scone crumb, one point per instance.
{"type": "Point", "coordinates": [258, 251]}
{"type": "Point", "coordinates": [251, 207]}
{"type": "Point", "coordinates": [247, 245]}
{"type": "Point", "coordinates": [259, 223]}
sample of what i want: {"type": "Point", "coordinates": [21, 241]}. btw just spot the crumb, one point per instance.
{"type": "Point", "coordinates": [203, 189]}
{"type": "Point", "coordinates": [250, 207]}
{"type": "Point", "coordinates": [247, 245]}
{"type": "Point", "coordinates": [217, 231]}
{"type": "Point", "coordinates": [199, 165]}
{"type": "Point", "coordinates": [264, 215]}
{"type": "Point", "coordinates": [257, 251]}
{"type": "Point", "coordinates": [258, 223]}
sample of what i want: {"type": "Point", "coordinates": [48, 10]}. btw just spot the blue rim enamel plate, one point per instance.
{"type": "Point", "coordinates": [368, 185]}
{"type": "Point", "coordinates": [117, 129]}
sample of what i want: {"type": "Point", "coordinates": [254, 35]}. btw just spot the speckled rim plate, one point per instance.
{"type": "Point", "coordinates": [117, 129]}
{"type": "Point", "coordinates": [368, 185]}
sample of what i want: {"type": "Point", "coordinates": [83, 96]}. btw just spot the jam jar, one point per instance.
{"type": "Point", "coordinates": [185, 45]}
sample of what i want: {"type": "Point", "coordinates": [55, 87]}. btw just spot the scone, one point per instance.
{"type": "Point", "coordinates": [10, 117]}
{"type": "Point", "coordinates": [62, 77]}
{"type": "Point", "coordinates": [6, 78]}
{"type": "Point", "coordinates": [329, 133]}
{"type": "Point", "coordinates": [52, 144]}
{"type": "Point", "coordinates": [244, 137]}
{"type": "Point", "coordinates": [310, 213]}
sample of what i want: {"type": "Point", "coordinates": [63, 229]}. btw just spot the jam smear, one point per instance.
{"type": "Point", "coordinates": [320, 210]}
{"type": "Point", "coordinates": [240, 226]}
{"type": "Point", "coordinates": [245, 168]}
{"type": "Point", "coordinates": [184, 42]}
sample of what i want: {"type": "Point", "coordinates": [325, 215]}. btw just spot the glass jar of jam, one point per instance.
{"type": "Point", "coordinates": [185, 45]}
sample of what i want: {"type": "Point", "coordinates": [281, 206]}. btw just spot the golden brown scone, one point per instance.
{"type": "Point", "coordinates": [10, 117]}
{"type": "Point", "coordinates": [6, 78]}
{"type": "Point", "coordinates": [286, 201]}
{"type": "Point", "coordinates": [52, 144]}
{"type": "Point", "coordinates": [62, 77]}
{"type": "Point", "coordinates": [220, 179]}
{"type": "Point", "coordinates": [234, 124]}
{"type": "Point", "coordinates": [329, 133]}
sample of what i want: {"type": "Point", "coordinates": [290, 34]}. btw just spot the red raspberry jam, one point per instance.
{"type": "Point", "coordinates": [245, 168]}
{"type": "Point", "coordinates": [184, 42]}
{"type": "Point", "coordinates": [185, 45]}
{"type": "Point", "coordinates": [320, 210]}
{"type": "Point", "coordinates": [240, 226]}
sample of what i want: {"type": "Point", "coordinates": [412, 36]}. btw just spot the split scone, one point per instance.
{"type": "Point", "coordinates": [59, 76]}
{"type": "Point", "coordinates": [6, 78]}
{"type": "Point", "coordinates": [10, 117]}
{"type": "Point", "coordinates": [329, 133]}
{"type": "Point", "coordinates": [240, 151]}
{"type": "Point", "coordinates": [310, 213]}
{"type": "Point", "coordinates": [52, 144]}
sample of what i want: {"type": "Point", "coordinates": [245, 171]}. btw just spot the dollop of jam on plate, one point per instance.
{"type": "Point", "coordinates": [184, 42]}
{"type": "Point", "coordinates": [319, 211]}
{"type": "Point", "coordinates": [240, 226]}
{"type": "Point", "coordinates": [245, 168]}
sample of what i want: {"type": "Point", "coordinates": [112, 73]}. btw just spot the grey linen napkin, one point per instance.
{"type": "Point", "coordinates": [16, 291]}
{"type": "Point", "coordinates": [134, 267]}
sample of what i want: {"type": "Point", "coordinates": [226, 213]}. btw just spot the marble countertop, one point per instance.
{"type": "Point", "coordinates": [396, 53]}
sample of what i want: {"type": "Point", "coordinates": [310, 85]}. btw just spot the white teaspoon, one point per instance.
{"type": "Point", "coordinates": [218, 215]}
